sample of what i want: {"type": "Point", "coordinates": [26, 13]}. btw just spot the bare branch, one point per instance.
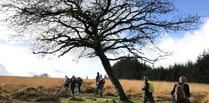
{"type": "Point", "coordinates": [103, 26]}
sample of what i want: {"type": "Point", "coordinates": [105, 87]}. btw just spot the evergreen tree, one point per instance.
{"type": "Point", "coordinates": [202, 68]}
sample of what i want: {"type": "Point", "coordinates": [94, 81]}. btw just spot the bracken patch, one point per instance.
{"type": "Point", "coordinates": [24, 96]}
{"type": "Point", "coordinates": [4, 99]}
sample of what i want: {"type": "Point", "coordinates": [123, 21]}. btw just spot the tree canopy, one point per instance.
{"type": "Point", "coordinates": [114, 25]}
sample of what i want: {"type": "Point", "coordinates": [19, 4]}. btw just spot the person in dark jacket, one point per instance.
{"type": "Point", "coordinates": [147, 94]}
{"type": "Point", "coordinates": [101, 86]}
{"type": "Point", "coordinates": [186, 91]}
{"type": "Point", "coordinates": [79, 83]}
{"type": "Point", "coordinates": [73, 84]}
{"type": "Point", "coordinates": [97, 82]}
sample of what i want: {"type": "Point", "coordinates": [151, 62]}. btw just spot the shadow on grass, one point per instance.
{"type": "Point", "coordinates": [77, 99]}
{"type": "Point", "coordinates": [50, 99]}
{"type": "Point", "coordinates": [91, 100]}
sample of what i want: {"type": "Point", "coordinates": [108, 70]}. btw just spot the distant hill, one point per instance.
{"type": "Point", "coordinates": [3, 70]}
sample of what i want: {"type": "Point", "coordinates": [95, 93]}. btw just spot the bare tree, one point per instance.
{"type": "Point", "coordinates": [96, 27]}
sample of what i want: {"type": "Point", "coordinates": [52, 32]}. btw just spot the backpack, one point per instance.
{"type": "Point", "coordinates": [151, 87]}
{"type": "Point", "coordinates": [67, 81]}
{"type": "Point", "coordinates": [79, 81]}
{"type": "Point", "coordinates": [179, 92]}
{"type": "Point", "coordinates": [101, 82]}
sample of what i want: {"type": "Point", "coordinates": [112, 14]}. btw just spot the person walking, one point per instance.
{"type": "Point", "coordinates": [181, 91]}
{"type": "Point", "coordinates": [66, 82]}
{"type": "Point", "coordinates": [79, 83]}
{"type": "Point", "coordinates": [72, 85]}
{"type": "Point", "coordinates": [97, 83]}
{"type": "Point", "coordinates": [148, 90]}
{"type": "Point", "coordinates": [101, 86]}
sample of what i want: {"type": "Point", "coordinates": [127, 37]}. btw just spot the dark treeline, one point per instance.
{"type": "Point", "coordinates": [195, 72]}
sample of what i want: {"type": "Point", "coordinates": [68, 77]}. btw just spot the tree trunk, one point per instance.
{"type": "Point", "coordinates": [106, 64]}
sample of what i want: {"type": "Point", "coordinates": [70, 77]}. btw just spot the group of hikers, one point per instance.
{"type": "Point", "coordinates": [180, 91]}
{"type": "Point", "coordinates": [72, 82]}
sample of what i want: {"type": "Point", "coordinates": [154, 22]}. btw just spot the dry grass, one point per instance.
{"type": "Point", "coordinates": [9, 85]}
{"type": "Point", "coordinates": [13, 83]}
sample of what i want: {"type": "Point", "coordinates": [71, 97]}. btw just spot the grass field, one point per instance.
{"type": "Point", "coordinates": [50, 90]}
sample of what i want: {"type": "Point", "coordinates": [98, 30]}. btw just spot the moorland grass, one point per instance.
{"type": "Point", "coordinates": [42, 90]}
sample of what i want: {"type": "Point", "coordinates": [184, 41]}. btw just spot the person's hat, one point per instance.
{"type": "Point", "coordinates": [145, 78]}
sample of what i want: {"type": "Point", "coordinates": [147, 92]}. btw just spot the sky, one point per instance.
{"type": "Point", "coordinates": [17, 58]}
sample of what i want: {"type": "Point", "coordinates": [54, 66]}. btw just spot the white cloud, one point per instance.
{"type": "Point", "coordinates": [18, 60]}
{"type": "Point", "coordinates": [187, 48]}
